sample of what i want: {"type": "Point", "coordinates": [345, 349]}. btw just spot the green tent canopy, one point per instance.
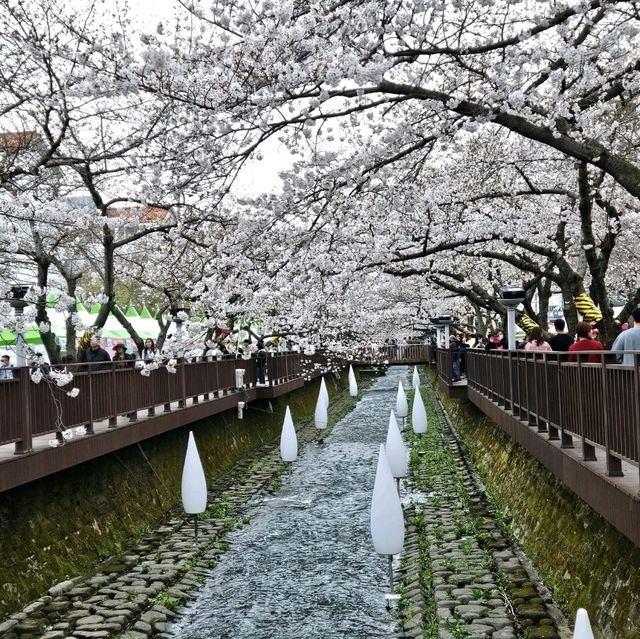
{"type": "Point", "coordinates": [80, 307]}
{"type": "Point", "coordinates": [32, 336]}
{"type": "Point", "coordinates": [131, 312]}
{"type": "Point", "coordinates": [95, 309]}
{"type": "Point", "coordinates": [52, 300]}
{"type": "Point", "coordinates": [144, 314]}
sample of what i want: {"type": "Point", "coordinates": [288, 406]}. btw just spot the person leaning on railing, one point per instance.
{"type": "Point", "coordinates": [585, 343]}
{"type": "Point", "coordinates": [628, 340]}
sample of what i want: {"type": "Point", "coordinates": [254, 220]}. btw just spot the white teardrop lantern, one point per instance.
{"type": "Point", "coordinates": [418, 414]}
{"type": "Point", "coordinates": [416, 378]}
{"type": "Point", "coordinates": [396, 450]}
{"type": "Point", "coordinates": [387, 520]}
{"type": "Point", "coordinates": [288, 439]}
{"type": "Point", "coordinates": [353, 384]}
{"type": "Point", "coordinates": [402, 408]}
{"type": "Point", "coordinates": [321, 417]}
{"type": "Point", "coordinates": [583, 627]}
{"type": "Point", "coordinates": [194, 483]}
{"type": "Point", "coordinates": [324, 393]}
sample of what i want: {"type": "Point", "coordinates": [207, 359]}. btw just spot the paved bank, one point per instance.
{"type": "Point", "coordinates": [462, 577]}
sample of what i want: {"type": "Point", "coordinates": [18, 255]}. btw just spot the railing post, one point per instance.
{"type": "Point", "coordinates": [540, 423]}
{"type": "Point", "coordinates": [167, 404]}
{"type": "Point", "coordinates": [553, 431]}
{"type": "Point", "coordinates": [182, 402]}
{"type": "Point", "coordinates": [517, 407]}
{"type": "Point", "coordinates": [614, 464]}
{"type": "Point", "coordinates": [113, 420]}
{"type": "Point", "coordinates": [90, 424]}
{"type": "Point", "coordinates": [636, 403]}
{"type": "Point", "coordinates": [588, 451]}
{"type": "Point", "coordinates": [527, 384]}
{"type": "Point", "coordinates": [544, 425]}
{"type": "Point", "coordinates": [511, 402]}
{"type": "Point", "coordinates": [566, 440]}
{"type": "Point", "coordinates": [25, 445]}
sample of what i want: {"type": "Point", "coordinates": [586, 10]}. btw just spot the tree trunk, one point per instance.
{"type": "Point", "coordinates": [48, 338]}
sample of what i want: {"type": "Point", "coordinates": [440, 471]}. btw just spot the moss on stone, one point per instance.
{"type": "Point", "coordinates": [585, 561]}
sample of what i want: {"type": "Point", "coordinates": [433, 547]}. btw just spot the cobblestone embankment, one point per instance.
{"type": "Point", "coordinates": [461, 575]}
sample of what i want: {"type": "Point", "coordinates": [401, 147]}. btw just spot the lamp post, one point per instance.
{"type": "Point", "coordinates": [177, 316]}
{"type": "Point", "coordinates": [18, 304]}
{"type": "Point", "coordinates": [436, 322]}
{"type": "Point", "coordinates": [387, 518]}
{"type": "Point", "coordinates": [194, 484]}
{"type": "Point", "coordinates": [445, 322]}
{"type": "Point", "coordinates": [511, 297]}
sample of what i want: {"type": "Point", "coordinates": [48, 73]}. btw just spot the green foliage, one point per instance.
{"type": "Point", "coordinates": [458, 629]}
{"type": "Point", "coordinates": [168, 601]}
{"type": "Point", "coordinates": [189, 564]}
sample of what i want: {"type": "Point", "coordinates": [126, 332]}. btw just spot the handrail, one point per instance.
{"type": "Point", "coordinates": [584, 403]}
{"type": "Point", "coordinates": [30, 409]}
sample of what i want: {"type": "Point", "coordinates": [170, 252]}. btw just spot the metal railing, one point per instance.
{"type": "Point", "coordinates": [30, 409]}
{"type": "Point", "coordinates": [576, 402]}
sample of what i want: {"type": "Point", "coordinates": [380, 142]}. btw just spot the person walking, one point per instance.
{"type": "Point", "coordinates": [5, 368]}
{"type": "Point", "coordinates": [97, 357]}
{"type": "Point", "coordinates": [585, 343]}
{"type": "Point", "coordinates": [628, 340]}
{"type": "Point", "coordinates": [536, 342]}
{"type": "Point", "coordinates": [261, 361]}
{"type": "Point", "coordinates": [561, 341]}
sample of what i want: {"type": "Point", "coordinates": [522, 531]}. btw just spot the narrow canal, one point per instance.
{"type": "Point", "coordinates": [305, 565]}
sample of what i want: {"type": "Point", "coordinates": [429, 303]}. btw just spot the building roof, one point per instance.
{"type": "Point", "coordinates": [17, 140]}
{"type": "Point", "coordinates": [138, 212]}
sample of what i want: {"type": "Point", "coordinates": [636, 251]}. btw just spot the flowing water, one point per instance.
{"type": "Point", "coordinates": [305, 566]}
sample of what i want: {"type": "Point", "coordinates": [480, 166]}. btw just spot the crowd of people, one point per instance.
{"type": "Point", "coordinates": [585, 340]}
{"type": "Point", "coordinates": [98, 358]}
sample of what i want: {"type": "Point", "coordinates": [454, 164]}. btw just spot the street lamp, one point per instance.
{"type": "Point", "coordinates": [18, 304]}
{"type": "Point", "coordinates": [177, 316]}
{"type": "Point", "coordinates": [446, 321]}
{"type": "Point", "coordinates": [511, 297]}
{"type": "Point", "coordinates": [436, 322]}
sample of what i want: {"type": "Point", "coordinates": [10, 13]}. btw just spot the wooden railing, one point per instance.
{"type": "Point", "coordinates": [592, 404]}
{"type": "Point", "coordinates": [30, 409]}
{"type": "Point", "coordinates": [396, 354]}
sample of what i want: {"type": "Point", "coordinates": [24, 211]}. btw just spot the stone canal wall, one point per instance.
{"type": "Point", "coordinates": [583, 560]}
{"type": "Point", "coordinates": [59, 527]}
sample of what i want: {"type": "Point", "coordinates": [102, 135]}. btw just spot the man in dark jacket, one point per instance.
{"type": "Point", "coordinates": [561, 340]}
{"type": "Point", "coordinates": [97, 357]}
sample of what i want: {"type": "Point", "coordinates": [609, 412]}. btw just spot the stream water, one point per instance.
{"type": "Point", "coordinates": [305, 566]}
